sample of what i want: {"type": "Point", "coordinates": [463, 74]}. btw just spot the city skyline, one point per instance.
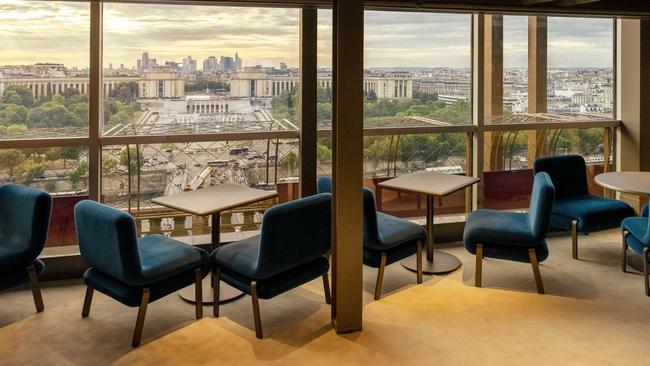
{"type": "Point", "coordinates": [270, 36]}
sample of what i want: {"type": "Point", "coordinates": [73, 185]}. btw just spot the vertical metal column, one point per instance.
{"type": "Point", "coordinates": [347, 138]}
{"type": "Point", "coordinates": [95, 101]}
{"type": "Point", "coordinates": [308, 100]}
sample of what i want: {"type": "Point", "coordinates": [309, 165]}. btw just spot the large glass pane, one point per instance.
{"type": "Point", "coordinates": [417, 69]}
{"type": "Point", "coordinates": [62, 171]}
{"type": "Point", "coordinates": [417, 74]}
{"type": "Point", "coordinates": [234, 69]}
{"type": "Point", "coordinates": [44, 57]}
{"type": "Point", "coordinates": [580, 70]}
{"type": "Point", "coordinates": [134, 174]}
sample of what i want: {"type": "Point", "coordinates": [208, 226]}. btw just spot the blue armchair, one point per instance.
{"type": "Point", "coordinates": [133, 271]}
{"type": "Point", "coordinates": [386, 239]}
{"type": "Point", "coordinates": [636, 236]}
{"type": "Point", "coordinates": [513, 236]}
{"type": "Point", "coordinates": [291, 250]}
{"type": "Point", "coordinates": [574, 208]}
{"type": "Point", "coordinates": [24, 221]}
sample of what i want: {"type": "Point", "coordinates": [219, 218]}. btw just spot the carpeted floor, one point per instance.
{"type": "Point", "coordinates": [592, 314]}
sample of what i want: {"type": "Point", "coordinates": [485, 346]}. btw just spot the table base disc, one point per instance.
{"type": "Point", "coordinates": [227, 293]}
{"type": "Point", "coordinates": [442, 263]}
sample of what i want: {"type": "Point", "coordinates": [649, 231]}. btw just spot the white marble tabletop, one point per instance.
{"type": "Point", "coordinates": [627, 182]}
{"type": "Point", "coordinates": [429, 183]}
{"type": "Point", "coordinates": [206, 201]}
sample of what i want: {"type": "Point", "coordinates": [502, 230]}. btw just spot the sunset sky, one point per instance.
{"type": "Point", "coordinates": [35, 31]}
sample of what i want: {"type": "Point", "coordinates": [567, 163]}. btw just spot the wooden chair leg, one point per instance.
{"type": "Point", "coordinates": [380, 276]}
{"type": "Point", "coordinates": [216, 281]}
{"type": "Point", "coordinates": [419, 262]}
{"type": "Point", "coordinates": [538, 276]}
{"type": "Point", "coordinates": [198, 293]}
{"type": "Point", "coordinates": [624, 252]}
{"type": "Point", "coordinates": [139, 324]}
{"type": "Point", "coordinates": [478, 276]}
{"type": "Point", "coordinates": [326, 288]}
{"type": "Point", "coordinates": [645, 270]}
{"type": "Point", "coordinates": [36, 290]}
{"type": "Point", "coordinates": [87, 301]}
{"type": "Point", "coordinates": [256, 310]}
{"type": "Point", "coordinates": [574, 238]}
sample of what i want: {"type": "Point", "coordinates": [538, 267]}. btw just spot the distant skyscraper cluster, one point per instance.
{"type": "Point", "coordinates": [225, 63]}
{"type": "Point", "coordinates": [145, 63]}
{"type": "Point", "coordinates": [189, 65]}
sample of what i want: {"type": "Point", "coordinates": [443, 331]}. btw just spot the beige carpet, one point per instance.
{"type": "Point", "coordinates": [592, 314]}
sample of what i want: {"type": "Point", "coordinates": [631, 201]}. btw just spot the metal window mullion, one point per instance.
{"type": "Point", "coordinates": [478, 107]}
{"type": "Point", "coordinates": [95, 100]}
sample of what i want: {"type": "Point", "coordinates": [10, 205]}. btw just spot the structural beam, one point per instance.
{"type": "Point", "coordinates": [633, 98]}
{"type": "Point", "coordinates": [96, 110]}
{"type": "Point", "coordinates": [308, 96]}
{"type": "Point", "coordinates": [493, 87]}
{"type": "Point", "coordinates": [347, 170]}
{"type": "Point", "coordinates": [537, 82]}
{"type": "Point", "coordinates": [478, 109]}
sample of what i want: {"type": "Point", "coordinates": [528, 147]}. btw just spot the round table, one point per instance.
{"type": "Point", "coordinates": [637, 183]}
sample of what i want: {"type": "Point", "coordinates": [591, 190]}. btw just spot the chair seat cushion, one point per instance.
{"type": "Point", "coordinates": [499, 227]}
{"type": "Point", "coordinates": [130, 295]}
{"type": "Point", "coordinates": [16, 277]}
{"type": "Point", "coordinates": [637, 227]}
{"type": "Point", "coordinates": [162, 257]}
{"type": "Point", "coordinates": [394, 232]}
{"type": "Point", "coordinates": [14, 256]}
{"type": "Point", "coordinates": [372, 257]}
{"type": "Point", "coordinates": [240, 257]}
{"type": "Point", "coordinates": [593, 213]}
{"type": "Point", "coordinates": [279, 283]}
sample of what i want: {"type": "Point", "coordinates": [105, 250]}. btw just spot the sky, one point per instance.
{"type": "Point", "coordinates": [39, 31]}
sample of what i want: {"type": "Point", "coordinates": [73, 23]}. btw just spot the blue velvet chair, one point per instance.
{"type": "Point", "coordinates": [513, 236]}
{"type": "Point", "coordinates": [636, 236]}
{"type": "Point", "coordinates": [574, 208]}
{"type": "Point", "coordinates": [134, 271]}
{"type": "Point", "coordinates": [386, 239]}
{"type": "Point", "coordinates": [24, 221]}
{"type": "Point", "coordinates": [291, 250]}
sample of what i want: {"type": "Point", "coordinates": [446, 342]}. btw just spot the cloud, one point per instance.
{"type": "Point", "coordinates": [35, 31]}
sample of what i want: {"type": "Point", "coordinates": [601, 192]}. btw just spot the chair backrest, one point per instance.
{"type": "Point", "coordinates": [370, 226]}
{"type": "Point", "coordinates": [24, 217]}
{"type": "Point", "coordinates": [541, 205]}
{"type": "Point", "coordinates": [568, 174]}
{"type": "Point", "coordinates": [108, 240]}
{"type": "Point", "coordinates": [295, 233]}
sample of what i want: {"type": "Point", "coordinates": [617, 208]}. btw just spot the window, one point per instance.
{"type": "Point", "coordinates": [44, 69]}
{"type": "Point", "coordinates": [580, 71]}
{"type": "Point", "coordinates": [417, 73]}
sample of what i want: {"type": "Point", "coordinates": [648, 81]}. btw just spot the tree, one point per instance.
{"type": "Point", "coordinates": [33, 172]}
{"type": "Point", "coordinates": [124, 94]}
{"type": "Point", "coordinates": [52, 114]}
{"type": "Point", "coordinates": [17, 94]}
{"type": "Point", "coordinates": [109, 165]}
{"type": "Point", "coordinates": [82, 111]}
{"type": "Point", "coordinates": [323, 153]}
{"type": "Point", "coordinates": [13, 114]}
{"type": "Point", "coordinates": [370, 96]}
{"type": "Point", "coordinates": [10, 159]}
{"type": "Point", "coordinates": [69, 92]}
{"type": "Point", "coordinates": [289, 161]}
{"type": "Point", "coordinates": [133, 163]}
{"type": "Point", "coordinates": [77, 174]}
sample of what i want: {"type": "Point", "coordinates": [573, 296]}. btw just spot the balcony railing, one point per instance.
{"type": "Point", "coordinates": [137, 168]}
